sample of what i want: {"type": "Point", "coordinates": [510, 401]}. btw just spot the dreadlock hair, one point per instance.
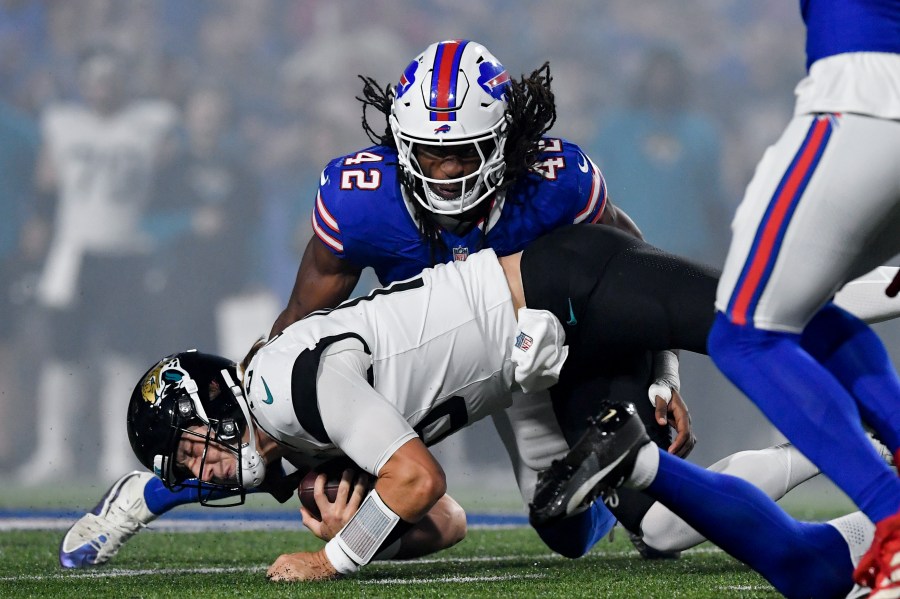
{"type": "Point", "coordinates": [380, 99]}
{"type": "Point", "coordinates": [530, 111]}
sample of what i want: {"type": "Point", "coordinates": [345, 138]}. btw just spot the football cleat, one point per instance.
{"type": "Point", "coordinates": [648, 552]}
{"type": "Point", "coordinates": [599, 462]}
{"type": "Point", "coordinates": [879, 568]}
{"type": "Point", "coordinates": [881, 448]}
{"type": "Point", "coordinates": [98, 535]}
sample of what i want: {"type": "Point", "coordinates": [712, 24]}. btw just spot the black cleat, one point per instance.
{"type": "Point", "coordinates": [648, 552]}
{"type": "Point", "coordinates": [600, 461]}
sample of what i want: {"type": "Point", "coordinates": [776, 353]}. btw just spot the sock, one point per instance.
{"type": "Point", "coordinates": [810, 407]}
{"type": "Point", "coordinates": [748, 525]}
{"type": "Point", "coordinates": [774, 470]}
{"type": "Point", "coordinates": [573, 536]}
{"type": "Point", "coordinates": [160, 500]}
{"type": "Point", "coordinates": [857, 531]}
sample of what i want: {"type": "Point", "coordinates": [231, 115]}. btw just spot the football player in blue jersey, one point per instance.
{"type": "Point", "coordinates": [461, 163]}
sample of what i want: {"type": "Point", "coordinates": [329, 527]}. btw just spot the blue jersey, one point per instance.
{"type": "Point", "coordinates": [361, 213]}
{"type": "Point", "coordinates": [839, 26]}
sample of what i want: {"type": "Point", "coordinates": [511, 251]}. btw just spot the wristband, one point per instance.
{"type": "Point", "coordinates": [366, 531]}
{"type": "Point", "coordinates": [340, 560]}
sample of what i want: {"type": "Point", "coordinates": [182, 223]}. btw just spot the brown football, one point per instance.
{"type": "Point", "coordinates": [333, 469]}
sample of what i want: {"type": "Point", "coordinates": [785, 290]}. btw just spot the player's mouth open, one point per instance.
{"type": "Point", "coordinates": [448, 192]}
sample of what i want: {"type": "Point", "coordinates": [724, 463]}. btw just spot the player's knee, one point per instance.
{"type": "Point", "coordinates": [444, 526]}
{"type": "Point", "coordinates": [455, 527]}
{"type": "Point", "coordinates": [830, 327]}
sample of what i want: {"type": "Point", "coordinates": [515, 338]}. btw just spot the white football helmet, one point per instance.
{"type": "Point", "coordinates": [452, 94]}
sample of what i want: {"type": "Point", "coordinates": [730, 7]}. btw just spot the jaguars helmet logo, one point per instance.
{"type": "Point", "coordinates": [161, 379]}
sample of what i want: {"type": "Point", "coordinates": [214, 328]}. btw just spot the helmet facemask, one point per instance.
{"type": "Point", "coordinates": [476, 186]}
{"type": "Point", "coordinates": [223, 434]}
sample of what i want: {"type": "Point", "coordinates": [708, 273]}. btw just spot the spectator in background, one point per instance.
{"type": "Point", "coordinates": [662, 157]}
{"type": "Point", "coordinates": [289, 140]}
{"type": "Point", "coordinates": [97, 159]}
{"type": "Point", "coordinates": [18, 154]}
{"type": "Point", "coordinates": [204, 201]}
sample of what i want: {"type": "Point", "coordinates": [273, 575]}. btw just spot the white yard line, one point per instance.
{"type": "Point", "coordinates": [122, 572]}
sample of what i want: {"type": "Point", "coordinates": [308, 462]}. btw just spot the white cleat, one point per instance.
{"type": "Point", "coordinates": [882, 450]}
{"type": "Point", "coordinates": [98, 535]}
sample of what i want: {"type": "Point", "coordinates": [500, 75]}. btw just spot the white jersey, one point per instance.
{"type": "Point", "coordinates": [423, 357]}
{"type": "Point", "coordinates": [104, 167]}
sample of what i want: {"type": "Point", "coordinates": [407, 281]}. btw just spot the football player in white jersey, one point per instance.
{"type": "Point", "coordinates": [379, 378]}
{"type": "Point", "coordinates": [460, 162]}
{"type": "Point", "coordinates": [98, 157]}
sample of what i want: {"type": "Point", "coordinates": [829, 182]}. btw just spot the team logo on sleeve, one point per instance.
{"type": "Point", "coordinates": [460, 253]}
{"type": "Point", "coordinates": [523, 341]}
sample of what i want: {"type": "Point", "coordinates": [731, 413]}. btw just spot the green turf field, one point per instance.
{"type": "Point", "coordinates": [489, 563]}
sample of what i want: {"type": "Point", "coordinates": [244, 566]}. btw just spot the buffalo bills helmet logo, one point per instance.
{"type": "Point", "coordinates": [442, 129]}
{"type": "Point", "coordinates": [493, 79]}
{"type": "Point", "coordinates": [407, 78]}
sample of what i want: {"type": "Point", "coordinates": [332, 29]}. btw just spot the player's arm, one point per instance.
{"type": "Point", "coordinates": [410, 486]}
{"type": "Point", "coordinates": [442, 527]}
{"type": "Point", "coordinates": [615, 217]}
{"type": "Point", "coordinates": [323, 281]}
{"type": "Point", "coordinates": [409, 482]}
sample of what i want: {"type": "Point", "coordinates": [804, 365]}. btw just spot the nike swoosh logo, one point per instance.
{"type": "Point", "coordinates": [590, 483]}
{"type": "Point", "coordinates": [572, 320]}
{"type": "Point", "coordinates": [582, 166]}
{"type": "Point", "coordinates": [323, 179]}
{"type": "Point", "coordinates": [269, 399]}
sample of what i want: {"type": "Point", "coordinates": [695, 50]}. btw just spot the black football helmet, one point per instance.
{"type": "Point", "coordinates": [193, 389]}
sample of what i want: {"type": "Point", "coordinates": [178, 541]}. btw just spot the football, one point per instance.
{"type": "Point", "coordinates": [333, 470]}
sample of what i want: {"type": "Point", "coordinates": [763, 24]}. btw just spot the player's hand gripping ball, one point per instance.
{"type": "Point", "coordinates": [333, 470]}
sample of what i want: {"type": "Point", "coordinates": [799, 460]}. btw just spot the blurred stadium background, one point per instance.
{"type": "Point", "coordinates": [675, 101]}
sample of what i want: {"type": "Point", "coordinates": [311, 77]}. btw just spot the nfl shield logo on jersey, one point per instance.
{"type": "Point", "coordinates": [460, 253]}
{"type": "Point", "coordinates": [523, 341]}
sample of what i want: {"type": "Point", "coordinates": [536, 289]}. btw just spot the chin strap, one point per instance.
{"type": "Point", "coordinates": [253, 468]}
